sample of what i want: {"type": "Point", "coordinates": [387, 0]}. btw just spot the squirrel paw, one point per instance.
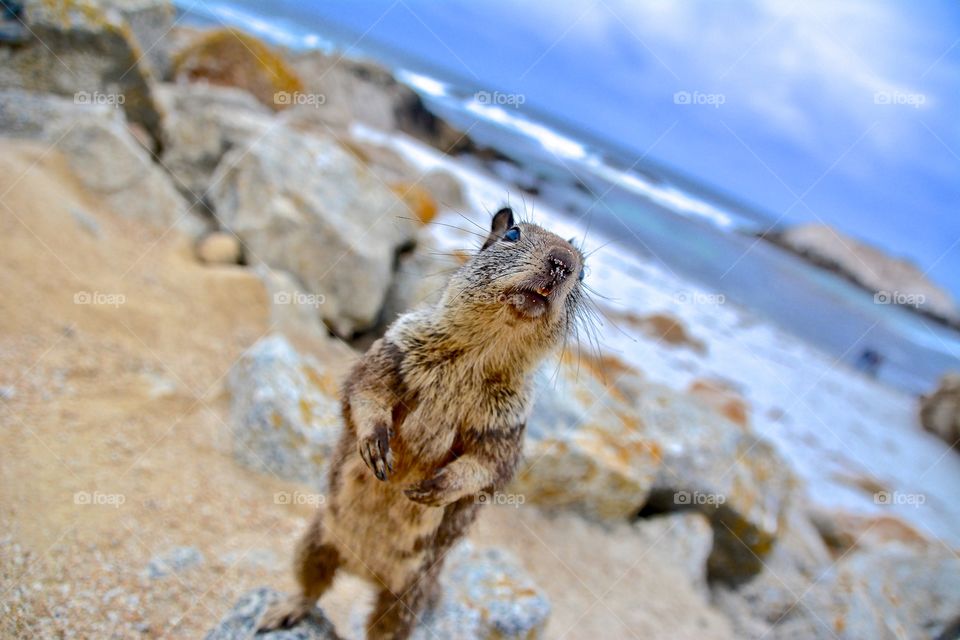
{"type": "Point", "coordinates": [285, 614]}
{"type": "Point", "coordinates": [432, 492]}
{"type": "Point", "coordinates": [375, 451]}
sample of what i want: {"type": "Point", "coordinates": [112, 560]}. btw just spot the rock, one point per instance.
{"type": "Point", "coordinates": [285, 412]}
{"type": "Point", "coordinates": [446, 189]}
{"type": "Point", "coordinates": [722, 397]}
{"type": "Point", "coordinates": [940, 411]}
{"type": "Point", "coordinates": [585, 447]}
{"type": "Point", "coordinates": [418, 200]}
{"type": "Point", "coordinates": [893, 280]}
{"type": "Point", "coordinates": [242, 621]}
{"type": "Point", "coordinates": [302, 204]}
{"type": "Point", "coordinates": [232, 58]}
{"type": "Point", "coordinates": [665, 328]}
{"type": "Point", "coordinates": [204, 122]}
{"type": "Point", "coordinates": [798, 557]}
{"type": "Point", "coordinates": [351, 90]}
{"type": "Point", "coordinates": [219, 247]}
{"type": "Point", "coordinates": [176, 560]}
{"type": "Point", "coordinates": [682, 540]}
{"type": "Point", "coordinates": [150, 21]}
{"type": "Point", "coordinates": [485, 596]}
{"type": "Point", "coordinates": [420, 279]}
{"type": "Point", "coordinates": [384, 162]}
{"type": "Point", "coordinates": [87, 50]}
{"type": "Point", "coordinates": [604, 442]}
{"type": "Point", "coordinates": [101, 152]}
{"type": "Point", "coordinates": [893, 592]}
{"type": "Point", "coordinates": [843, 531]}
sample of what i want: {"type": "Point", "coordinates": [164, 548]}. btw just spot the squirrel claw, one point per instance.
{"type": "Point", "coordinates": [375, 451]}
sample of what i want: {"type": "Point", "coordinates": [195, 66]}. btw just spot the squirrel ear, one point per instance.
{"type": "Point", "coordinates": [502, 221]}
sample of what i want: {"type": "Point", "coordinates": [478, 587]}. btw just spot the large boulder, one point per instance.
{"type": "Point", "coordinates": [586, 448]}
{"type": "Point", "coordinates": [303, 204]}
{"type": "Point", "coordinates": [606, 443]}
{"type": "Point", "coordinates": [285, 412]}
{"type": "Point", "coordinates": [232, 58]}
{"type": "Point", "coordinates": [87, 50]}
{"type": "Point", "coordinates": [893, 280]}
{"type": "Point", "coordinates": [103, 154]}
{"type": "Point", "coordinates": [940, 411]}
{"type": "Point", "coordinates": [203, 123]}
{"type": "Point", "coordinates": [682, 540]}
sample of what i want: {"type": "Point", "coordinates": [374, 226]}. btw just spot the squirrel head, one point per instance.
{"type": "Point", "coordinates": [524, 280]}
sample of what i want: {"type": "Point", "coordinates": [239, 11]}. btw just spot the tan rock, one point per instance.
{"type": "Point", "coordinates": [232, 58]}
{"type": "Point", "coordinates": [418, 199]}
{"type": "Point", "coordinates": [219, 247]}
{"type": "Point", "coordinates": [722, 397]}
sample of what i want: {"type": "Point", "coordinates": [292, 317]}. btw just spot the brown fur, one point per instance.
{"type": "Point", "coordinates": [434, 415]}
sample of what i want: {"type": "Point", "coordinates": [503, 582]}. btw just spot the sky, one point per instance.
{"type": "Point", "coordinates": [845, 112]}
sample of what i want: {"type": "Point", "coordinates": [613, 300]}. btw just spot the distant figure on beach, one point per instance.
{"type": "Point", "coordinates": [869, 362]}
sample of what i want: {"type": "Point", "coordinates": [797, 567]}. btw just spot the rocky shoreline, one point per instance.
{"type": "Point", "coordinates": [201, 246]}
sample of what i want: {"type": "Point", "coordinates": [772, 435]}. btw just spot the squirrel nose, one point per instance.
{"type": "Point", "coordinates": [560, 264]}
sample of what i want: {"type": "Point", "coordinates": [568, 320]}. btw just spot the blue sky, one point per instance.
{"type": "Point", "coordinates": [846, 112]}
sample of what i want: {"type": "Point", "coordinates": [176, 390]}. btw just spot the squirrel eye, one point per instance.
{"type": "Point", "coordinates": [512, 234]}
{"type": "Point", "coordinates": [582, 274]}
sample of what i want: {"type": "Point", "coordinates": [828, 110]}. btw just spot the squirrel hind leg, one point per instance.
{"type": "Point", "coordinates": [315, 564]}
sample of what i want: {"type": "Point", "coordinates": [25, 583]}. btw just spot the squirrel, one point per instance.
{"type": "Point", "coordinates": [434, 415]}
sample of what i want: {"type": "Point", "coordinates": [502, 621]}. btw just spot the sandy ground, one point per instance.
{"type": "Point", "coordinates": [115, 445]}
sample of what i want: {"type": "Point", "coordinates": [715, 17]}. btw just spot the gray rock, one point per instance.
{"type": "Point", "coordinates": [486, 595]}
{"type": "Point", "coordinates": [284, 411]}
{"type": "Point", "coordinates": [684, 540]}
{"type": "Point", "coordinates": [302, 204]}
{"type": "Point", "coordinates": [151, 22]}
{"type": "Point", "coordinates": [176, 560]}
{"type": "Point", "coordinates": [891, 592]}
{"type": "Point", "coordinates": [102, 154]}
{"type": "Point", "coordinates": [203, 123]}
{"type": "Point", "coordinates": [88, 51]}
{"type": "Point", "coordinates": [242, 621]}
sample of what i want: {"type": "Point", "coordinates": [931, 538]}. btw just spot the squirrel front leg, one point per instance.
{"type": "Point", "coordinates": [372, 392]}
{"type": "Point", "coordinates": [374, 430]}
{"type": "Point", "coordinates": [489, 462]}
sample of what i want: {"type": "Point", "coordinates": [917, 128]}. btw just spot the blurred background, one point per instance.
{"type": "Point", "coordinates": [210, 209]}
